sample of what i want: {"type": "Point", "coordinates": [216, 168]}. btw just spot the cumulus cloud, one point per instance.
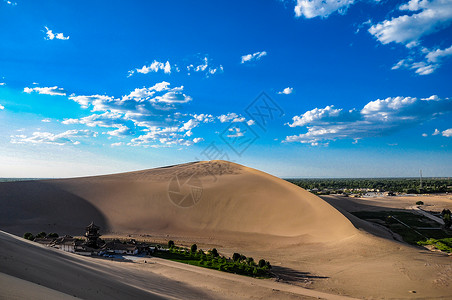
{"type": "Point", "coordinates": [63, 138]}
{"type": "Point", "coordinates": [436, 132]}
{"type": "Point", "coordinates": [286, 91]}
{"type": "Point", "coordinates": [155, 66]}
{"type": "Point", "coordinates": [2, 107]}
{"type": "Point", "coordinates": [422, 18]}
{"type": "Point", "coordinates": [231, 117]}
{"type": "Point", "coordinates": [376, 118]}
{"type": "Point", "coordinates": [53, 91]}
{"type": "Point", "coordinates": [447, 132]}
{"type": "Point", "coordinates": [50, 35]}
{"type": "Point", "coordinates": [253, 57]}
{"type": "Point", "coordinates": [321, 8]}
{"type": "Point", "coordinates": [204, 67]}
{"type": "Point", "coordinates": [151, 110]}
{"type": "Point", "coordinates": [2, 83]}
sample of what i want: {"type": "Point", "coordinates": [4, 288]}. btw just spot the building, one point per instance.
{"type": "Point", "coordinates": [116, 247]}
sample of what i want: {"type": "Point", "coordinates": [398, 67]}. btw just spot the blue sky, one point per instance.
{"type": "Point", "coordinates": [307, 88]}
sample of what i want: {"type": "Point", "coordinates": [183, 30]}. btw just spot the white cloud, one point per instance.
{"type": "Point", "coordinates": [117, 144]}
{"type": "Point", "coordinates": [46, 120]}
{"type": "Point", "coordinates": [197, 140]}
{"type": "Point", "coordinates": [231, 117]}
{"type": "Point", "coordinates": [121, 131]}
{"type": "Point", "coordinates": [408, 29]}
{"type": "Point", "coordinates": [286, 91]}
{"type": "Point", "coordinates": [2, 83]}
{"type": "Point", "coordinates": [235, 132]}
{"type": "Point", "coordinates": [424, 135]}
{"type": "Point", "coordinates": [321, 8]}
{"type": "Point", "coordinates": [67, 137]}
{"type": "Point", "coordinates": [447, 132]}
{"type": "Point", "coordinates": [53, 91]}
{"type": "Point", "coordinates": [204, 67]}
{"type": "Point", "coordinates": [12, 3]}
{"type": "Point", "coordinates": [437, 55]}
{"type": "Point", "coordinates": [2, 107]}
{"type": "Point", "coordinates": [51, 35]}
{"type": "Point", "coordinates": [314, 115]}
{"type": "Point", "coordinates": [436, 132]}
{"type": "Point", "coordinates": [376, 118]}
{"type": "Point", "coordinates": [253, 57]}
{"type": "Point", "coordinates": [155, 66]}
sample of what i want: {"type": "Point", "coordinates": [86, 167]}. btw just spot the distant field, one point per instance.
{"type": "Point", "coordinates": [414, 229]}
{"type": "Point", "coordinates": [19, 179]}
{"type": "Point", "coordinates": [360, 185]}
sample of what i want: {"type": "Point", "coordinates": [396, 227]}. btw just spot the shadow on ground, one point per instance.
{"type": "Point", "coordinates": [293, 276]}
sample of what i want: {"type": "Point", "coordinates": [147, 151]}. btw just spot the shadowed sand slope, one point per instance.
{"type": "Point", "coordinates": [31, 271]}
{"type": "Point", "coordinates": [201, 198]}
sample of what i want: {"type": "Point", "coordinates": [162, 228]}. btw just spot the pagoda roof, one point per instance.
{"type": "Point", "coordinates": [92, 226]}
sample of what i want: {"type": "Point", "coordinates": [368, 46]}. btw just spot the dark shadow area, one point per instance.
{"type": "Point", "coordinates": [35, 206]}
{"type": "Point", "coordinates": [294, 276]}
{"type": "Point", "coordinates": [83, 277]}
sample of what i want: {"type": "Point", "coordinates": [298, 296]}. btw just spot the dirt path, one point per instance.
{"type": "Point", "coordinates": [419, 210]}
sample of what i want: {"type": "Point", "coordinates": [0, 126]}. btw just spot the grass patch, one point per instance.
{"type": "Point", "coordinates": [441, 244]}
{"type": "Point", "coordinates": [211, 260]}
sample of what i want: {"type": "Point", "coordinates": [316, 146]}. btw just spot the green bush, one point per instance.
{"type": "Point", "coordinates": [262, 263]}
{"type": "Point", "coordinates": [53, 235]}
{"type": "Point", "coordinates": [42, 234]}
{"type": "Point", "coordinates": [193, 248]}
{"type": "Point", "coordinates": [236, 257]}
{"type": "Point", "coordinates": [170, 244]}
{"type": "Point", "coordinates": [419, 203]}
{"type": "Point", "coordinates": [29, 236]}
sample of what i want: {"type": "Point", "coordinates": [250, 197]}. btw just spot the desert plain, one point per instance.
{"type": "Point", "coordinates": [317, 248]}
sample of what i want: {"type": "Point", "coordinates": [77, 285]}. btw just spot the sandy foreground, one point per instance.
{"type": "Point", "coordinates": [314, 244]}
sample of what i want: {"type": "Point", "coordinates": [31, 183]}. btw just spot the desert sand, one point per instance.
{"type": "Point", "coordinates": [312, 243]}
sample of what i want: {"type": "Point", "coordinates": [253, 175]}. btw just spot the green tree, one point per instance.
{"type": "Point", "coordinates": [53, 235]}
{"type": "Point", "coordinates": [42, 234]}
{"type": "Point", "coordinates": [214, 252]}
{"type": "Point", "coordinates": [236, 256]}
{"type": "Point", "coordinates": [193, 248]}
{"type": "Point", "coordinates": [262, 263]}
{"type": "Point", "coordinates": [170, 244]}
{"type": "Point", "coordinates": [29, 236]}
{"type": "Point", "coordinates": [446, 214]}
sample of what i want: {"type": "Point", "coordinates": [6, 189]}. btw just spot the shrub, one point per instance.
{"type": "Point", "coordinates": [28, 236]}
{"type": "Point", "coordinates": [42, 234]}
{"type": "Point", "coordinates": [214, 252]}
{"type": "Point", "coordinates": [419, 203]}
{"type": "Point", "coordinates": [267, 264]}
{"type": "Point", "coordinates": [236, 256]}
{"type": "Point", "coordinates": [170, 244]}
{"type": "Point", "coordinates": [193, 248]}
{"type": "Point", "coordinates": [53, 235]}
{"type": "Point", "coordinates": [262, 263]}
{"type": "Point", "coordinates": [250, 260]}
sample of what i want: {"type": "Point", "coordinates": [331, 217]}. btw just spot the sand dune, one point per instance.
{"type": "Point", "coordinates": [235, 208]}
{"type": "Point", "coordinates": [231, 198]}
